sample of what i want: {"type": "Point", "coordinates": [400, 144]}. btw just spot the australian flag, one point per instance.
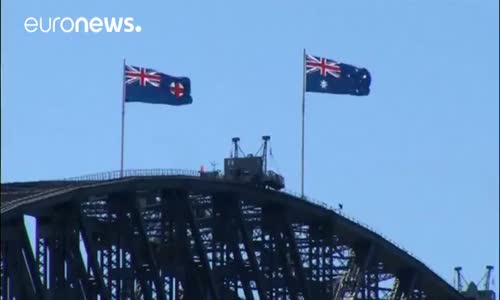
{"type": "Point", "coordinates": [150, 86]}
{"type": "Point", "coordinates": [328, 76]}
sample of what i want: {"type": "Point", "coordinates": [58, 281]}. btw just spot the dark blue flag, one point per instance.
{"type": "Point", "coordinates": [327, 76]}
{"type": "Point", "coordinates": [150, 86]}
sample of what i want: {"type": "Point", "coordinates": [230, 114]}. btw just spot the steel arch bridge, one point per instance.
{"type": "Point", "coordinates": [171, 234]}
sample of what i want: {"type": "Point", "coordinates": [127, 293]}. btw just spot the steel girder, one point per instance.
{"type": "Point", "coordinates": [19, 275]}
{"type": "Point", "coordinates": [177, 243]}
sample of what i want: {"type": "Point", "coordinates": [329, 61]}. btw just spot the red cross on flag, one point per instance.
{"type": "Point", "coordinates": [177, 89]}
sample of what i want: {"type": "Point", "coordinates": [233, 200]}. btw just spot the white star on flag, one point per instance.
{"type": "Point", "coordinates": [323, 84]}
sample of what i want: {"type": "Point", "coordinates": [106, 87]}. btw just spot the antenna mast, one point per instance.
{"type": "Point", "coordinates": [459, 278]}
{"type": "Point", "coordinates": [235, 141]}
{"type": "Point", "coordinates": [266, 138]}
{"type": "Point", "coordinates": [489, 269]}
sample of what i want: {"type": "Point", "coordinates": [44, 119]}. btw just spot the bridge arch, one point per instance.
{"type": "Point", "coordinates": [167, 235]}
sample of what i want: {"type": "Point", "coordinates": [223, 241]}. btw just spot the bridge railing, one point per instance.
{"type": "Point", "coordinates": [115, 175]}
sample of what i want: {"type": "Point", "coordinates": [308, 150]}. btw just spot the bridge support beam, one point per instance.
{"type": "Point", "coordinates": [396, 291]}
{"type": "Point", "coordinates": [21, 265]}
{"type": "Point", "coordinates": [3, 271]}
{"type": "Point", "coordinates": [122, 205]}
{"type": "Point", "coordinates": [184, 214]}
{"type": "Point", "coordinates": [132, 227]}
{"type": "Point", "coordinates": [408, 281]}
{"type": "Point", "coordinates": [226, 208]}
{"type": "Point", "coordinates": [93, 264]}
{"type": "Point", "coordinates": [356, 273]}
{"type": "Point", "coordinates": [59, 236]}
{"type": "Point", "coordinates": [294, 251]}
{"type": "Point", "coordinates": [283, 235]}
{"type": "Point", "coordinates": [200, 248]}
{"type": "Point", "coordinates": [404, 285]}
{"type": "Point", "coordinates": [78, 276]}
{"type": "Point", "coordinates": [321, 237]}
{"type": "Point", "coordinates": [247, 238]}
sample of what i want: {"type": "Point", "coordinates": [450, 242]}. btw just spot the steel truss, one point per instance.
{"type": "Point", "coordinates": [178, 244]}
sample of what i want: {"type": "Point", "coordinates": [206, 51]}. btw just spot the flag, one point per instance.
{"type": "Point", "coordinates": [150, 86]}
{"type": "Point", "coordinates": [328, 76]}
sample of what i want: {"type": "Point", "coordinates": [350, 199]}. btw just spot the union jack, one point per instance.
{"type": "Point", "coordinates": [323, 65]}
{"type": "Point", "coordinates": [143, 75]}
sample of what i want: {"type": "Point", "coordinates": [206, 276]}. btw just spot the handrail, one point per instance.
{"type": "Point", "coordinates": [114, 175]}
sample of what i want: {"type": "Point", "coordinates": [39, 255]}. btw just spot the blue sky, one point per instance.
{"type": "Point", "coordinates": [417, 159]}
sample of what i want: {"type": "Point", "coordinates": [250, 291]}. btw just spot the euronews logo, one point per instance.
{"type": "Point", "coordinates": [81, 24]}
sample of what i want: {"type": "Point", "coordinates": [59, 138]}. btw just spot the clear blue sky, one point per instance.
{"type": "Point", "coordinates": [417, 159]}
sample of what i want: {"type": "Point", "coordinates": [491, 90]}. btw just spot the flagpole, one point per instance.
{"type": "Point", "coordinates": [123, 120]}
{"type": "Point", "coordinates": [303, 117]}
